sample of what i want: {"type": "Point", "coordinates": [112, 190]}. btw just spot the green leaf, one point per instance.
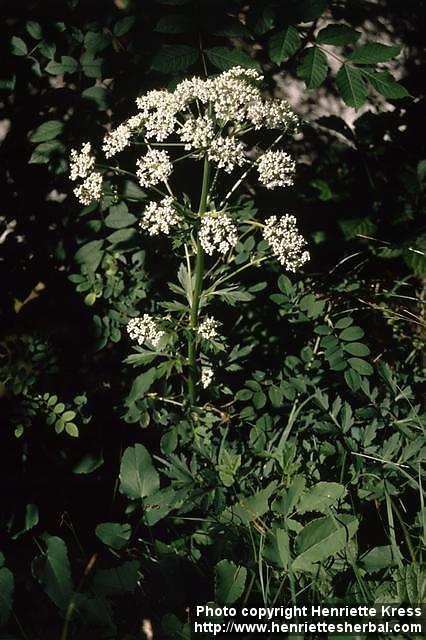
{"type": "Point", "coordinates": [113, 534]}
{"type": "Point", "coordinates": [43, 153]}
{"type": "Point", "coordinates": [47, 131]}
{"type": "Point", "coordinates": [18, 46]}
{"type": "Point", "coordinates": [141, 384]}
{"type": "Point", "coordinates": [123, 26]}
{"type": "Point", "coordinates": [90, 254]}
{"type": "Point", "coordinates": [351, 85]}
{"type": "Point", "coordinates": [385, 84]}
{"type": "Point", "coordinates": [174, 58]}
{"type": "Point", "coordinates": [173, 24]}
{"type": "Point", "coordinates": [374, 52]}
{"type": "Point", "coordinates": [353, 227]}
{"type": "Point", "coordinates": [361, 366]}
{"type": "Point", "coordinates": [6, 591]}
{"type": "Point", "coordinates": [252, 507]}
{"type": "Point", "coordinates": [92, 67]}
{"type": "Point", "coordinates": [228, 465]}
{"type": "Point", "coordinates": [290, 498]}
{"type": "Point", "coordinates": [67, 65]}
{"type": "Point", "coordinates": [321, 539]}
{"type": "Point", "coordinates": [224, 58]}
{"type": "Point", "coordinates": [276, 548]}
{"type": "Point", "coordinates": [114, 582]}
{"type": "Point", "coordinates": [351, 333]}
{"type": "Point", "coordinates": [321, 497]}
{"type": "Point", "coordinates": [230, 581]}
{"type": "Point", "coordinates": [313, 68]}
{"type": "Point", "coordinates": [89, 463]}
{"type": "Point", "coordinates": [160, 503]}
{"type": "Point", "coordinates": [138, 477]}
{"type": "Point", "coordinates": [119, 217]}
{"type": "Point", "coordinates": [98, 95]}
{"type": "Point", "coordinates": [356, 349]}
{"type": "Point", "coordinates": [95, 42]}
{"type": "Point", "coordinates": [71, 429]}
{"type": "Point", "coordinates": [34, 29]}
{"type": "Point", "coordinates": [378, 558]}
{"type": "Point", "coordinates": [284, 44]}
{"type": "Point", "coordinates": [338, 35]}
{"type": "Point", "coordinates": [53, 571]}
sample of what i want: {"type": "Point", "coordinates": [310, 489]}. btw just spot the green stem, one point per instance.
{"type": "Point", "coordinates": [198, 285]}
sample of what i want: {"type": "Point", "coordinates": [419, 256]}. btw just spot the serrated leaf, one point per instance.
{"type": "Point", "coordinates": [313, 68]}
{"type": "Point", "coordinates": [47, 131]}
{"type": "Point", "coordinates": [114, 534]}
{"type": "Point", "coordinates": [338, 35]}
{"type": "Point", "coordinates": [351, 85]}
{"type": "Point", "coordinates": [385, 84]}
{"type": "Point", "coordinates": [230, 580]}
{"type": "Point", "coordinates": [138, 477]}
{"type": "Point", "coordinates": [284, 44]}
{"type": "Point", "coordinates": [361, 366]}
{"type": "Point", "coordinates": [53, 571]}
{"type": "Point", "coordinates": [374, 52]}
{"type": "Point", "coordinates": [224, 58]}
{"type": "Point", "coordinates": [321, 539]}
{"type": "Point", "coordinates": [321, 497]}
{"type": "Point", "coordinates": [174, 58]}
{"type": "Point", "coordinates": [18, 46]}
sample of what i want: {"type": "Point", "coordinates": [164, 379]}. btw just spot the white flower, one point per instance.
{"type": "Point", "coordinates": [208, 328]}
{"type": "Point", "coordinates": [90, 190]}
{"type": "Point", "coordinates": [230, 97]}
{"type": "Point", "coordinates": [192, 89]}
{"type": "Point", "coordinates": [286, 242]}
{"type": "Point", "coordinates": [157, 113]}
{"type": "Point", "coordinates": [273, 114]}
{"type": "Point", "coordinates": [144, 329]}
{"type": "Point", "coordinates": [116, 140]}
{"type": "Point", "coordinates": [276, 169]}
{"type": "Point", "coordinates": [81, 162]}
{"type": "Point", "coordinates": [154, 167]}
{"type": "Point", "coordinates": [206, 376]}
{"type": "Point", "coordinates": [217, 233]}
{"type": "Point", "coordinates": [227, 153]}
{"type": "Point", "coordinates": [242, 73]}
{"type": "Point", "coordinates": [159, 217]}
{"type": "Point", "coordinates": [197, 133]}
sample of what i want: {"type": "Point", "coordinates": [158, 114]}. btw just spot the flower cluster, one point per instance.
{"type": "Point", "coordinates": [81, 162]}
{"type": "Point", "coordinates": [158, 111]}
{"type": "Point", "coordinates": [160, 217]}
{"type": "Point", "coordinates": [197, 133]}
{"type": "Point", "coordinates": [154, 167]}
{"type": "Point", "coordinates": [286, 242]}
{"type": "Point", "coordinates": [208, 328]}
{"type": "Point", "coordinates": [226, 153]}
{"type": "Point", "coordinates": [145, 329]}
{"type": "Point", "coordinates": [276, 169]}
{"type": "Point", "coordinates": [217, 233]}
{"type": "Point", "coordinates": [90, 190]}
{"type": "Point", "coordinates": [206, 376]}
{"type": "Point", "coordinates": [116, 140]}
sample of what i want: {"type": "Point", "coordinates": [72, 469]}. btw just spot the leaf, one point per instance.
{"type": "Point", "coordinates": [224, 58]}
{"type": "Point", "coordinates": [322, 538]}
{"type": "Point", "coordinates": [47, 131]}
{"type": "Point", "coordinates": [89, 463]}
{"type": "Point", "coordinates": [338, 35]}
{"type": "Point", "coordinates": [53, 571]}
{"type": "Point", "coordinates": [361, 366]}
{"type": "Point", "coordinates": [384, 83]}
{"type": "Point", "coordinates": [353, 227]}
{"type": "Point", "coordinates": [252, 507]}
{"type": "Point", "coordinates": [44, 151]}
{"type": "Point", "coordinates": [123, 578]}
{"type": "Point", "coordinates": [31, 520]}
{"type": "Point", "coordinates": [119, 217]}
{"type": "Point", "coordinates": [71, 429]}
{"type": "Point", "coordinates": [174, 58]}
{"type": "Point", "coordinates": [378, 558]}
{"type": "Point", "coordinates": [321, 497]}
{"type": "Point", "coordinates": [18, 46]}
{"type": "Point", "coordinates": [284, 44]}
{"type": "Point", "coordinates": [290, 498]}
{"type": "Point", "coordinates": [113, 534]}
{"type": "Point", "coordinates": [159, 504]}
{"type": "Point", "coordinates": [351, 85]}
{"type": "Point", "coordinates": [276, 548]}
{"type": "Point", "coordinates": [67, 65]}
{"type": "Point", "coordinates": [90, 254]}
{"type": "Point", "coordinates": [7, 584]}
{"type": "Point", "coordinates": [34, 29]}
{"type": "Point", "coordinates": [138, 477]}
{"type": "Point", "coordinates": [356, 349]}
{"type": "Point", "coordinates": [98, 95]}
{"type": "Point", "coordinates": [228, 465]}
{"type": "Point", "coordinates": [123, 26]}
{"type": "Point", "coordinates": [313, 68]}
{"type": "Point", "coordinates": [141, 384]}
{"type": "Point", "coordinates": [374, 52]}
{"type": "Point", "coordinates": [351, 333]}
{"type": "Point", "coordinates": [230, 581]}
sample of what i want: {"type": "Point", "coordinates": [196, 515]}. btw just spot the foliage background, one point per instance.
{"type": "Point", "coordinates": [359, 195]}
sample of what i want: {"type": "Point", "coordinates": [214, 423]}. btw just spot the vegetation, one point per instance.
{"type": "Point", "coordinates": [192, 411]}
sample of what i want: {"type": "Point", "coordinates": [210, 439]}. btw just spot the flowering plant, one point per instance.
{"type": "Point", "coordinates": [219, 123]}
